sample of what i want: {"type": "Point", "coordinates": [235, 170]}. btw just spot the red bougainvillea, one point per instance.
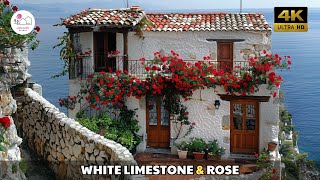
{"type": "Point", "coordinates": [172, 77]}
{"type": "Point", "coordinates": [171, 72]}
{"type": "Point", "coordinates": [5, 122]}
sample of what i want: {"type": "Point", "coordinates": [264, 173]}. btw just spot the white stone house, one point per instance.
{"type": "Point", "coordinates": [242, 125]}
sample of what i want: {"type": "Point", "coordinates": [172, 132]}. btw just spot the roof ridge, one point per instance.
{"type": "Point", "coordinates": [185, 13]}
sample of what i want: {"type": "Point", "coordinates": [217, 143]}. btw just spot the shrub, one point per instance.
{"type": "Point", "coordinates": [184, 146]}
{"type": "Point", "coordinates": [213, 148]}
{"type": "Point", "coordinates": [122, 130]}
{"type": "Point", "coordinates": [197, 145]}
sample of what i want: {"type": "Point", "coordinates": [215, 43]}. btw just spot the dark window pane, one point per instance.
{"type": "Point", "coordinates": [164, 116]}
{"type": "Point", "coordinates": [250, 110]}
{"type": "Point", "coordinates": [237, 116]}
{"type": "Point", "coordinates": [250, 123]}
{"type": "Point", "coordinates": [152, 106]}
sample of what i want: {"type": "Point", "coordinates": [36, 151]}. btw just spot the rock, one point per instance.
{"type": "Point", "coordinates": [89, 148]}
{"type": "Point", "coordinates": [62, 144]}
{"type": "Point", "coordinates": [66, 152]}
{"type": "Point", "coordinates": [76, 149]}
{"type": "Point", "coordinates": [96, 152]}
{"type": "Point", "coordinates": [60, 157]}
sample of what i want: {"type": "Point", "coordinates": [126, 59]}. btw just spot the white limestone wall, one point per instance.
{"type": "Point", "coordinates": [191, 45]}
{"type": "Point", "coordinates": [209, 121]}
{"type": "Point", "coordinates": [64, 143]}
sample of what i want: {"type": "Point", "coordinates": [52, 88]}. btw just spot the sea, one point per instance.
{"type": "Point", "coordinates": [301, 86]}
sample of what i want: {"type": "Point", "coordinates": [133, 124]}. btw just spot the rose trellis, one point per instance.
{"type": "Point", "coordinates": [174, 80]}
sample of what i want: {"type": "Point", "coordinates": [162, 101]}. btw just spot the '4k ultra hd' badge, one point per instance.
{"type": "Point", "coordinates": [291, 19]}
{"type": "Point", "coordinates": [22, 22]}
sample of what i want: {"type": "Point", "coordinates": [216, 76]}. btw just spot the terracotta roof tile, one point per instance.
{"type": "Point", "coordinates": [105, 17]}
{"type": "Point", "coordinates": [171, 21]}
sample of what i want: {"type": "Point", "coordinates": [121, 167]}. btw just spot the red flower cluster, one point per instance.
{"type": "Point", "coordinates": [15, 8]}
{"type": "Point", "coordinates": [37, 28]}
{"type": "Point", "coordinates": [6, 2]}
{"type": "Point", "coordinates": [5, 121]}
{"type": "Point", "coordinates": [113, 54]}
{"type": "Point", "coordinates": [84, 54]}
{"type": "Point", "coordinates": [68, 102]}
{"type": "Point", "coordinates": [171, 72]}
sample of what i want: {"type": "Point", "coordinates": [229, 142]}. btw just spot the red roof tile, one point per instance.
{"type": "Point", "coordinates": [213, 21]}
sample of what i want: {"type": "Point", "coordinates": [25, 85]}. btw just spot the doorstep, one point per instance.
{"type": "Point", "coordinates": [242, 156]}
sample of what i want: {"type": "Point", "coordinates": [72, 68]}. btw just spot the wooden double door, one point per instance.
{"type": "Point", "coordinates": [157, 123]}
{"type": "Point", "coordinates": [244, 127]}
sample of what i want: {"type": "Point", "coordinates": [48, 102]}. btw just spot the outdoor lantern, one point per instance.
{"type": "Point", "coordinates": [217, 104]}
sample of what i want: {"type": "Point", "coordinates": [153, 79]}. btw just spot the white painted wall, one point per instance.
{"type": "Point", "coordinates": [190, 45]}
{"type": "Point", "coordinates": [193, 45]}
{"type": "Point", "coordinates": [209, 120]}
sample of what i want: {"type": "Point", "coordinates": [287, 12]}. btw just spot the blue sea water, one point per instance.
{"type": "Point", "coordinates": [301, 87]}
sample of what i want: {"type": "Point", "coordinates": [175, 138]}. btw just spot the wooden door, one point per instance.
{"type": "Point", "coordinates": [158, 123]}
{"type": "Point", "coordinates": [244, 127]}
{"type": "Point", "coordinates": [225, 56]}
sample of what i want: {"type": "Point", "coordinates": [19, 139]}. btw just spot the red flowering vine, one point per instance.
{"type": "Point", "coordinates": [171, 77]}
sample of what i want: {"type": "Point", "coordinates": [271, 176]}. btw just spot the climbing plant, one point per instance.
{"type": "Point", "coordinates": [172, 78]}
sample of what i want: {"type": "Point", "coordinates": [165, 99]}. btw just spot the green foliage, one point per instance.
{"type": "Point", "coordinates": [213, 148]}
{"type": "Point", "coordinates": [263, 160]}
{"type": "Point", "coordinates": [23, 165]}
{"type": "Point", "coordinates": [197, 145]}
{"type": "Point", "coordinates": [14, 168]}
{"type": "Point", "coordinates": [286, 149]}
{"type": "Point", "coordinates": [183, 145]}
{"type": "Point", "coordinates": [293, 161]}
{"type": "Point", "coordinates": [91, 124]}
{"type": "Point", "coordinates": [122, 130]}
{"type": "Point", "coordinates": [142, 24]}
{"type": "Point", "coordinates": [67, 52]}
{"type": "Point", "coordinates": [291, 168]}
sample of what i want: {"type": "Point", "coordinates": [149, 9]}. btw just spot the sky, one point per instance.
{"type": "Point", "coordinates": [181, 4]}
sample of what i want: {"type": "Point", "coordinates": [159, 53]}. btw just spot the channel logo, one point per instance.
{"type": "Point", "coordinates": [290, 19]}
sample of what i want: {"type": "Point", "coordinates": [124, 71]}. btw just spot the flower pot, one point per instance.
{"type": "Point", "coordinates": [213, 157]}
{"type": "Point", "coordinates": [272, 146]}
{"type": "Point", "coordinates": [198, 155]}
{"type": "Point", "coordinates": [182, 154]}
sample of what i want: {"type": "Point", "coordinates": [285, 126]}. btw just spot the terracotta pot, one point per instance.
{"type": "Point", "coordinates": [213, 157]}
{"type": "Point", "coordinates": [198, 155]}
{"type": "Point", "coordinates": [272, 146]}
{"type": "Point", "coordinates": [182, 154]}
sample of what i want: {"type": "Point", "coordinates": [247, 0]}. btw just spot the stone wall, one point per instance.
{"type": "Point", "coordinates": [63, 142]}
{"type": "Point", "coordinates": [14, 65]}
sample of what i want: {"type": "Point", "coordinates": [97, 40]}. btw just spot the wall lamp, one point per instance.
{"type": "Point", "coordinates": [217, 104]}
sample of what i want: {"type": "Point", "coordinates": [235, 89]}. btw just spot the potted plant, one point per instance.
{"type": "Point", "coordinates": [213, 148]}
{"type": "Point", "coordinates": [182, 150]}
{"type": "Point", "coordinates": [198, 145]}
{"type": "Point", "coordinates": [272, 146]}
{"type": "Point", "coordinates": [214, 151]}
